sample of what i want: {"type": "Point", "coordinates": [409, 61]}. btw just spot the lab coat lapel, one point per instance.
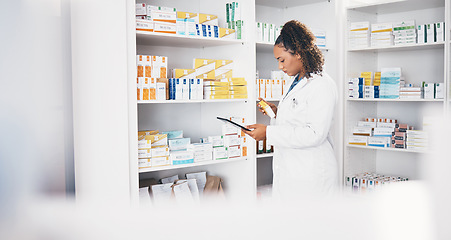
{"type": "Point", "coordinates": [296, 88]}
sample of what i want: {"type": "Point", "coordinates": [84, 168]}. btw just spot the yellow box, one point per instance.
{"type": "Point", "coordinates": [142, 134]}
{"type": "Point", "coordinates": [216, 88]}
{"type": "Point", "coordinates": [225, 73]}
{"type": "Point", "coordinates": [227, 33]}
{"type": "Point", "coordinates": [201, 62]}
{"type": "Point", "coordinates": [237, 81]}
{"type": "Point", "coordinates": [366, 74]}
{"type": "Point", "coordinates": [157, 139]}
{"type": "Point", "coordinates": [216, 97]}
{"type": "Point", "coordinates": [223, 64]}
{"type": "Point", "coordinates": [238, 89]}
{"type": "Point", "coordinates": [208, 19]}
{"type": "Point", "coordinates": [208, 75]}
{"type": "Point", "coordinates": [238, 96]}
{"type": "Point", "coordinates": [217, 83]}
{"type": "Point", "coordinates": [185, 15]}
{"type": "Point", "coordinates": [183, 73]}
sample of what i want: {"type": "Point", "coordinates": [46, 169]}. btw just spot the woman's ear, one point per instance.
{"type": "Point", "coordinates": [298, 56]}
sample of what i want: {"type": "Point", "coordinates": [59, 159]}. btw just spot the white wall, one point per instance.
{"type": "Point", "coordinates": [36, 154]}
{"type": "Point", "coordinates": [101, 126]}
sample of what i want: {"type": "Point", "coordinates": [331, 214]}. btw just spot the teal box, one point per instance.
{"type": "Point", "coordinates": [174, 134]}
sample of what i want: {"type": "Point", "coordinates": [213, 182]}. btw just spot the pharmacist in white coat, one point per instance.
{"type": "Point", "coordinates": [304, 164]}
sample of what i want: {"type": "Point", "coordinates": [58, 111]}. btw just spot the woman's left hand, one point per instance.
{"type": "Point", "coordinates": [259, 132]}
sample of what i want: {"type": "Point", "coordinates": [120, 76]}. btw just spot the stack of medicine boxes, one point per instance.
{"type": "Point", "coordinates": [153, 149]}
{"type": "Point", "coordinates": [267, 32]}
{"type": "Point", "coordinates": [156, 18]}
{"type": "Point", "coordinates": [233, 19]}
{"type": "Point", "coordinates": [381, 34]}
{"type": "Point", "coordinates": [431, 32]}
{"type": "Point", "coordinates": [390, 83]}
{"type": "Point", "coordinates": [178, 147]}
{"type": "Point", "coordinates": [359, 35]}
{"type": "Point", "coordinates": [355, 87]}
{"type": "Point", "coordinates": [150, 68]}
{"type": "Point", "coordinates": [381, 132]}
{"type": "Point", "coordinates": [404, 32]}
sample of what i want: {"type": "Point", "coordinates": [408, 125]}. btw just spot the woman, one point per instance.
{"type": "Point", "coordinates": [303, 162]}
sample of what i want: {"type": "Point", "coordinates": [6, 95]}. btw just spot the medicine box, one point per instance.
{"type": "Point", "coordinates": [163, 16]}
{"type": "Point", "coordinates": [174, 134]}
{"type": "Point", "coordinates": [165, 27]}
{"type": "Point", "coordinates": [430, 33]}
{"type": "Point", "coordinates": [182, 157]}
{"type": "Point", "coordinates": [207, 19]}
{"type": "Point", "coordinates": [220, 153]}
{"type": "Point", "coordinates": [440, 31]}
{"type": "Point", "coordinates": [439, 90]}
{"type": "Point", "coordinates": [231, 140]}
{"type": "Point", "coordinates": [428, 90]}
{"type": "Point", "coordinates": [144, 25]}
{"type": "Point", "coordinates": [382, 132]}
{"type": "Point", "coordinates": [358, 140]}
{"type": "Point", "coordinates": [160, 161]}
{"type": "Point", "coordinates": [366, 124]}
{"type": "Point", "coordinates": [227, 33]}
{"type": "Point", "coordinates": [216, 141]}
{"type": "Point", "coordinates": [144, 163]}
{"type": "Point", "coordinates": [140, 9]}
{"type": "Point", "coordinates": [159, 151]}
{"type": "Point", "coordinates": [362, 131]}
{"type": "Point", "coordinates": [158, 139]}
{"type": "Point", "coordinates": [144, 153]}
{"type": "Point", "coordinates": [234, 151]}
{"type": "Point", "coordinates": [179, 143]}
{"type": "Point", "coordinates": [379, 141]}
{"type": "Point", "coordinates": [181, 26]}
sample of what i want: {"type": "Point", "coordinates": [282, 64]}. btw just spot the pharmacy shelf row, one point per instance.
{"type": "Point", "coordinates": [264, 155]}
{"type": "Point", "coordinates": [171, 167]}
{"type": "Point", "coordinates": [166, 39]}
{"type": "Point", "coordinates": [393, 100]}
{"type": "Point", "coordinates": [407, 47]}
{"type": "Point", "coordinates": [268, 46]}
{"type": "Point", "coordinates": [191, 101]}
{"type": "Point", "coordinates": [387, 149]}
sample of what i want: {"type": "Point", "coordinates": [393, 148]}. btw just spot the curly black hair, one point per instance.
{"type": "Point", "coordinates": [296, 38]}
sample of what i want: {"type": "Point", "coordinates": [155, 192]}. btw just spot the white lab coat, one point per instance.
{"type": "Point", "coordinates": [304, 164]}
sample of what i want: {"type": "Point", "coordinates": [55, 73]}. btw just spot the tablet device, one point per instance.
{"type": "Point", "coordinates": [233, 123]}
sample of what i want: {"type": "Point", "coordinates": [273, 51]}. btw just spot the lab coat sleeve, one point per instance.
{"type": "Point", "coordinates": [320, 110]}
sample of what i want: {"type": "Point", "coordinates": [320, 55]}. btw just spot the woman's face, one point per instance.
{"type": "Point", "coordinates": [288, 63]}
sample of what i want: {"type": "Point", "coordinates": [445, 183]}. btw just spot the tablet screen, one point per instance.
{"type": "Point", "coordinates": [234, 123]}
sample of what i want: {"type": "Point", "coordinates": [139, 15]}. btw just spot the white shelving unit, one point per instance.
{"type": "Point", "coordinates": [419, 62]}
{"type": "Point", "coordinates": [319, 14]}
{"type": "Point", "coordinates": [264, 155]}
{"type": "Point", "coordinates": [191, 101]}
{"type": "Point", "coordinates": [197, 118]}
{"type": "Point", "coordinates": [172, 167]}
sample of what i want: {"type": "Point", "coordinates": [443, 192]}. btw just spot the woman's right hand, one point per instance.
{"type": "Point", "coordinates": [272, 105]}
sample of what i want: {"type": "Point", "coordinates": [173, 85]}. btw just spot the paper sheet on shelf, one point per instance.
{"type": "Point", "coordinates": [192, 184]}
{"type": "Point", "coordinates": [170, 179]}
{"type": "Point", "coordinates": [182, 193]}
{"type": "Point", "coordinates": [162, 193]}
{"type": "Point", "coordinates": [201, 179]}
{"type": "Point", "coordinates": [144, 196]}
